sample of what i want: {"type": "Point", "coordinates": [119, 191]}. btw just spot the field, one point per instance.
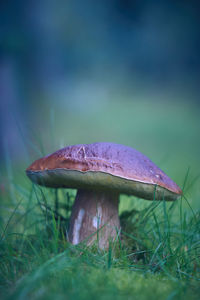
{"type": "Point", "coordinates": [157, 255]}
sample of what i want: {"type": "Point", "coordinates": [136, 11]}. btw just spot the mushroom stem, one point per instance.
{"type": "Point", "coordinates": [94, 217]}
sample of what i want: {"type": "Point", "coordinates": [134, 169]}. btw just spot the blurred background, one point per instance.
{"type": "Point", "coordinates": [86, 71]}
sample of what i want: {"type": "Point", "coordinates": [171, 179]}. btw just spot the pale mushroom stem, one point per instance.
{"type": "Point", "coordinates": [94, 217]}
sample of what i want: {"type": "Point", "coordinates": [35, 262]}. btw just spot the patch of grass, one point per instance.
{"type": "Point", "coordinates": [156, 257]}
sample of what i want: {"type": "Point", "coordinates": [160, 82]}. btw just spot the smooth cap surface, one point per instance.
{"type": "Point", "coordinates": [104, 166]}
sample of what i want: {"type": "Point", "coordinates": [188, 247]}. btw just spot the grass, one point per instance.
{"type": "Point", "coordinates": [158, 254]}
{"type": "Point", "coordinates": [156, 257]}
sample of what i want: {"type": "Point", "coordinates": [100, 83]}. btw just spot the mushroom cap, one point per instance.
{"type": "Point", "coordinates": [104, 166]}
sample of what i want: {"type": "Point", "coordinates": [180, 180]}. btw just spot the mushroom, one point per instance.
{"type": "Point", "coordinates": [101, 172]}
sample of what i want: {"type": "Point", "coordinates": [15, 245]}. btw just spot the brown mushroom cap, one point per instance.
{"type": "Point", "coordinates": [104, 166]}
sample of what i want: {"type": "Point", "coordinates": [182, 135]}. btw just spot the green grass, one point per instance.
{"type": "Point", "coordinates": [158, 255]}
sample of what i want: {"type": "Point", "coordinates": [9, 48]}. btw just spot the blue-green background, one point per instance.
{"type": "Point", "coordinates": [86, 71]}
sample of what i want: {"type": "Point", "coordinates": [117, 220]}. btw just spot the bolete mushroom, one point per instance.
{"type": "Point", "coordinates": [101, 172]}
